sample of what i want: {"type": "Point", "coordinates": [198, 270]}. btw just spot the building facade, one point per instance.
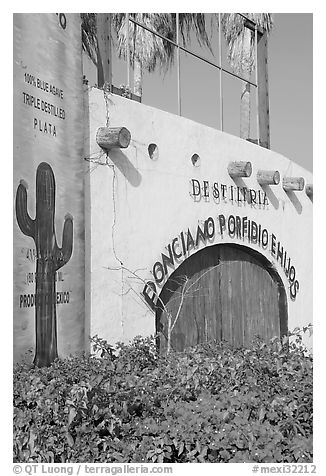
{"type": "Point", "coordinates": [178, 230]}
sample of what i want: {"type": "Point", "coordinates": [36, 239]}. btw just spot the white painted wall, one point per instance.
{"type": "Point", "coordinates": [136, 206]}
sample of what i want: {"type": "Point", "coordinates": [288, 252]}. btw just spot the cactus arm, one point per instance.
{"type": "Point", "coordinates": [25, 222]}
{"type": "Point", "coordinates": [64, 253]}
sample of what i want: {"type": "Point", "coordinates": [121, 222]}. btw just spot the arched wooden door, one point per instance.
{"type": "Point", "coordinates": [223, 292]}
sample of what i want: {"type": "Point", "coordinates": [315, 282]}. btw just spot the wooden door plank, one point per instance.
{"type": "Point", "coordinates": [229, 295]}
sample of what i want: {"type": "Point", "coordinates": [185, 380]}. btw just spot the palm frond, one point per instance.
{"type": "Point", "coordinates": [240, 40]}
{"type": "Point", "coordinates": [196, 21]}
{"type": "Point", "coordinates": [89, 37]}
{"type": "Point", "coordinates": [144, 46]}
{"type": "Point", "coordinates": [151, 50]}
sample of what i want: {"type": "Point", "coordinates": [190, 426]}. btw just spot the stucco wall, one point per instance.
{"type": "Point", "coordinates": [137, 206]}
{"type": "Point", "coordinates": [48, 128]}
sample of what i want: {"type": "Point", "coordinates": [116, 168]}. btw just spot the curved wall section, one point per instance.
{"type": "Point", "coordinates": [147, 216]}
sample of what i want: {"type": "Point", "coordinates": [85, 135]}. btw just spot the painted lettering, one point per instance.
{"type": "Point", "coordinates": [176, 254]}
{"type": "Point", "coordinates": [149, 293]}
{"type": "Point", "coordinates": [235, 226]}
{"type": "Point", "coordinates": [221, 220]}
{"type": "Point", "coordinates": [209, 228]}
{"type": "Point", "coordinates": [200, 236]}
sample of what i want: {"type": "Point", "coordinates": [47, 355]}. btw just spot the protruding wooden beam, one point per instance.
{"type": "Point", "coordinates": [309, 190]}
{"type": "Point", "coordinates": [268, 177]}
{"type": "Point", "coordinates": [110, 137]}
{"type": "Point", "coordinates": [293, 184]}
{"type": "Point", "coordinates": [239, 169]}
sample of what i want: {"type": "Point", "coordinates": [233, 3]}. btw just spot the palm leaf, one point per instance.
{"type": "Point", "coordinates": [151, 50]}
{"type": "Point", "coordinates": [89, 38]}
{"type": "Point", "coordinates": [240, 56]}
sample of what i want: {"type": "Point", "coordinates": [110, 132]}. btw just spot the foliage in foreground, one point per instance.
{"type": "Point", "coordinates": [212, 403]}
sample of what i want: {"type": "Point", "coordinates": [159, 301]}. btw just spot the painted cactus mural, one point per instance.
{"type": "Point", "coordinates": [49, 258]}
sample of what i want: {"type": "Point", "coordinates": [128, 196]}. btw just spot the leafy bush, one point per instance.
{"type": "Point", "coordinates": [212, 403]}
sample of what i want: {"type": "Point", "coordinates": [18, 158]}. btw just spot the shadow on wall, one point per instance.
{"type": "Point", "coordinates": [295, 201]}
{"type": "Point", "coordinates": [239, 182]}
{"type": "Point", "coordinates": [127, 169]}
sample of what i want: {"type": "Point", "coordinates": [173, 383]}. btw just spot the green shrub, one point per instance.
{"type": "Point", "coordinates": [212, 403]}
